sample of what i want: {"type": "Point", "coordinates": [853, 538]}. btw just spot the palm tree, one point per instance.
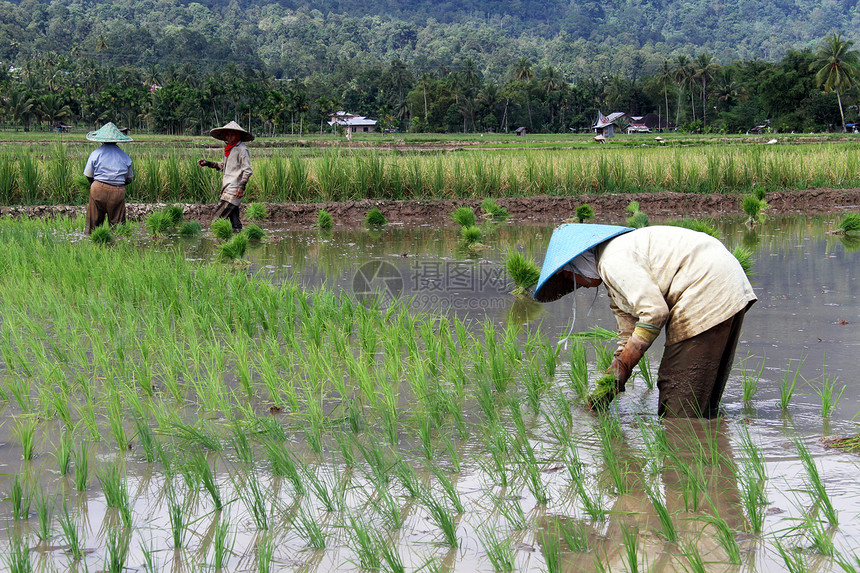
{"type": "Point", "coordinates": [680, 75]}
{"type": "Point", "coordinates": [705, 66]}
{"type": "Point", "coordinates": [524, 74]}
{"type": "Point", "coordinates": [18, 105]}
{"type": "Point", "coordinates": [666, 78]}
{"type": "Point", "coordinates": [837, 64]}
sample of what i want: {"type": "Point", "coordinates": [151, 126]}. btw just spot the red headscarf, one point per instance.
{"type": "Point", "coordinates": [228, 148]}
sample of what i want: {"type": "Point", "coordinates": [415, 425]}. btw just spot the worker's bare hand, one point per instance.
{"type": "Point", "coordinates": [240, 193]}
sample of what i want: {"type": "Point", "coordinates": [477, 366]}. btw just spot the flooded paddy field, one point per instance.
{"type": "Point", "coordinates": [377, 400]}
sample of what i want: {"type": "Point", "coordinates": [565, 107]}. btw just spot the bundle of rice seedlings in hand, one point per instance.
{"type": "Point", "coordinates": [190, 229]}
{"type": "Point", "coordinates": [464, 216]}
{"type": "Point", "coordinates": [324, 220]}
{"type": "Point", "coordinates": [222, 229]}
{"type": "Point", "coordinates": [375, 218]}
{"type": "Point", "coordinates": [584, 212]}
{"type": "Point", "coordinates": [702, 225]}
{"type": "Point", "coordinates": [604, 392]}
{"type": "Point", "coordinates": [493, 210]}
{"type": "Point", "coordinates": [745, 258]}
{"type": "Point", "coordinates": [256, 212]}
{"type": "Point", "coordinates": [254, 232]}
{"type": "Point", "coordinates": [102, 235]}
{"type": "Point", "coordinates": [523, 272]}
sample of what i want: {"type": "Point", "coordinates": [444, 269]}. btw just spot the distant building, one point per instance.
{"type": "Point", "coordinates": [353, 123]}
{"type": "Point", "coordinates": [521, 131]}
{"type": "Point", "coordinates": [607, 125]}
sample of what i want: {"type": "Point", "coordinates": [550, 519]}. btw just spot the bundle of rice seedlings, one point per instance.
{"type": "Point", "coordinates": [638, 220]}
{"type": "Point", "coordinates": [471, 235]}
{"type": "Point", "coordinates": [234, 248]}
{"type": "Point", "coordinates": [850, 223]}
{"type": "Point", "coordinates": [256, 212]}
{"type": "Point", "coordinates": [375, 218]}
{"type": "Point", "coordinates": [745, 258]}
{"type": "Point", "coordinates": [633, 207]}
{"type": "Point", "coordinates": [102, 235]}
{"type": "Point", "coordinates": [604, 391]}
{"type": "Point", "coordinates": [158, 222]}
{"type": "Point", "coordinates": [174, 213]}
{"type": "Point", "coordinates": [584, 212]}
{"type": "Point", "coordinates": [254, 232]}
{"type": "Point", "coordinates": [702, 225]}
{"type": "Point", "coordinates": [124, 229]}
{"type": "Point", "coordinates": [491, 209]}
{"type": "Point", "coordinates": [222, 229]}
{"type": "Point", "coordinates": [464, 216]}
{"type": "Point", "coordinates": [753, 207]}
{"type": "Point", "coordinates": [523, 272]}
{"type": "Point", "coordinates": [190, 229]}
{"type": "Point", "coordinates": [324, 220]}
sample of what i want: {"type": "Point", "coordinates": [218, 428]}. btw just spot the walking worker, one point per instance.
{"type": "Point", "coordinates": [236, 169]}
{"type": "Point", "coordinates": [109, 170]}
{"type": "Point", "coordinates": [658, 277]}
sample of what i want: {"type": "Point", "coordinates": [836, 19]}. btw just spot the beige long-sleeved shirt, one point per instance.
{"type": "Point", "coordinates": [236, 169]}
{"type": "Point", "coordinates": [666, 276]}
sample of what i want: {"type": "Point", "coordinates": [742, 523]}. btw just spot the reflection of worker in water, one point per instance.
{"type": "Point", "coordinates": [657, 277]}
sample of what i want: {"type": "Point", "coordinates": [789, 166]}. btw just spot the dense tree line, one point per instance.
{"type": "Point", "coordinates": [797, 93]}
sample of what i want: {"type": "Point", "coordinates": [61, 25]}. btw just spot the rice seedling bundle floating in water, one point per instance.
{"type": "Point", "coordinates": [493, 210]}
{"type": "Point", "coordinates": [102, 235]}
{"type": "Point", "coordinates": [254, 232]}
{"type": "Point", "coordinates": [464, 216]}
{"type": "Point", "coordinates": [158, 222]}
{"type": "Point", "coordinates": [190, 229]}
{"type": "Point", "coordinates": [850, 223]}
{"type": "Point", "coordinates": [471, 235]}
{"type": "Point", "coordinates": [174, 212]}
{"type": "Point", "coordinates": [234, 248]}
{"type": "Point", "coordinates": [325, 221]}
{"type": "Point", "coordinates": [256, 212]}
{"type": "Point", "coordinates": [222, 229]}
{"type": "Point", "coordinates": [375, 218]}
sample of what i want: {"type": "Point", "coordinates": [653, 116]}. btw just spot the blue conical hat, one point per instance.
{"type": "Point", "coordinates": [568, 241]}
{"type": "Point", "coordinates": [108, 133]}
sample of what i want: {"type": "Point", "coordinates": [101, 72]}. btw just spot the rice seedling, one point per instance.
{"type": "Point", "coordinates": [234, 248]}
{"type": "Point", "coordinates": [25, 431]}
{"type": "Point", "coordinates": [850, 223]}
{"type": "Point", "coordinates": [82, 461]}
{"type": "Point", "coordinates": [815, 483]}
{"type": "Point", "coordinates": [222, 229]}
{"type": "Point", "coordinates": [493, 210]}
{"type": "Point", "coordinates": [308, 527]}
{"type": "Point", "coordinates": [500, 550]}
{"type": "Point", "coordinates": [174, 214]}
{"type": "Point", "coordinates": [443, 519]}
{"type": "Point", "coordinates": [222, 544]}
{"type": "Point", "coordinates": [254, 497]}
{"type": "Point", "coordinates": [789, 383]}
{"type": "Point", "coordinates": [608, 432]}
{"type": "Point", "coordinates": [20, 495]}
{"type": "Point", "coordinates": [391, 557]}
{"type": "Point", "coordinates": [845, 562]}
{"type": "Point", "coordinates": [43, 514]}
{"type": "Point", "coordinates": [471, 235]}
{"type": "Point", "coordinates": [464, 216]}
{"type": "Point", "coordinates": [115, 490]}
{"type": "Point", "coordinates": [701, 225]}
{"type": "Point", "coordinates": [71, 536]}
{"type": "Point", "coordinates": [375, 218]}
{"type": "Point", "coordinates": [522, 271]}
{"type": "Point", "coordinates": [63, 452]}
{"type": "Point", "coordinates": [752, 492]}
{"type": "Point", "coordinates": [265, 553]}
{"type": "Point", "coordinates": [724, 534]}
{"type": "Point", "coordinates": [630, 535]}
{"type": "Point", "coordinates": [254, 232]}
{"type": "Point", "coordinates": [117, 543]}
{"type": "Point", "coordinates": [816, 532]}
{"type": "Point", "coordinates": [575, 534]}
{"type": "Point", "coordinates": [190, 229]}
{"type": "Point", "coordinates": [511, 510]}
{"type": "Point", "coordinates": [448, 488]}
{"type": "Point", "coordinates": [584, 212]}
{"type": "Point", "coordinates": [365, 543]}
{"type": "Point", "coordinates": [18, 556]}
{"type": "Point", "coordinates": [326, 489]}
{"type": "Point", "coordinates": [532, 472]}
{"type": "Point", "coordinates": [751, 380]}
{"type": "Point", "coordinates": [389, 509]}
{"type": "Point", "coordinates": [256, 212]}
{"type": "Point", "coordinates": [325, 221]}
{"type": "Point", "coordinates": [102, 235]}
{"type": "Point", "coordinates": [695, 562]}
{"type": "Point", "coordinates": [795, 561]}
{"type": "Point", "coordinates": [745, 258]}
{"type": "Point", "coordinates": [826, 392]}
{"type": "Point", "coordinates": [158, 222]}
{"type": "Point", "coordinates": [638, 220]}
{"type": "Point", "coordinates": [408, 479]}
{"type": "Point", "coordinates": [667, 524]}
{"type": "Point", "coordinates": [176, 515]}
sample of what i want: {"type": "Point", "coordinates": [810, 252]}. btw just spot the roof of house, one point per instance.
{"type": "Point", "coordinates": [350, 120]}
{"type": "Point", "coordinates": [607, 120]}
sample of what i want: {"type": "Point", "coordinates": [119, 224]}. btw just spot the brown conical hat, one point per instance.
{"type": "Point", "coordinates": [221, 132]}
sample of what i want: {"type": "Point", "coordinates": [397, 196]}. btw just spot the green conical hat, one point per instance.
{"type": "Point", "coordinates": [109, 133]}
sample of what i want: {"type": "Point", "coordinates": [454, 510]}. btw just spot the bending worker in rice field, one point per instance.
{"type": "Point", "coordinates": [109, 170]}
{"type": "Point", "coordinates": [658, 277]}
{"type": "Point", "coordinates": [236, 169]}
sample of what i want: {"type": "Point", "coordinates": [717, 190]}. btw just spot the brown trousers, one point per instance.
{"type": "Point", "coordinates": [693, 372]}
{"type": "Point", "coordinates": [227, 210]}
{"type": "Point", "coordinates": [105, 201]}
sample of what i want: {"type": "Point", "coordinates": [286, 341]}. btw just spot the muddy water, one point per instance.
{"type": "Point", "coordinates": [808, 312]}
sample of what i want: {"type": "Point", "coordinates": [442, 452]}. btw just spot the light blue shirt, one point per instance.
{"type": "Point", "coordinates": [109, 164]}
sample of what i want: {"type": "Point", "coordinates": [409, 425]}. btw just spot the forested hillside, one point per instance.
{"type": "Point", "coordinates": [294, 39]}
{"type": "Point", "coordinates": [424, 66]}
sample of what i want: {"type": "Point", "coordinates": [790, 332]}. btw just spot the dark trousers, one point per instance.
{"type": "Point", "coordinates": [106, 201]}
{"type": "Point", "coordinates": [693, 372]}
{"type": "Point", "coordinates": [227, 210]}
